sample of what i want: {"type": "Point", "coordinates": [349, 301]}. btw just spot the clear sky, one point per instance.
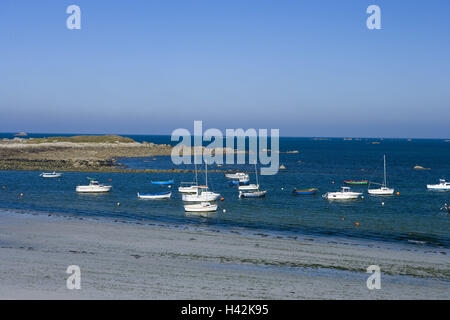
{"type": "Point", "coordinates": [309, 68]}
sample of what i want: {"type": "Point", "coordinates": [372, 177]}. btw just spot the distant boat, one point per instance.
{"type": "Point", "coordinates": [163, 182]}
{"type": "Point", "coordinates": [344, 194]}
{"type": "Point", "coordinates": [201, 207]}
{"type": "Point", "coordinates": [443, 185]}
{"type": "Point", "coordinates": [352, 182]}
{"type": "Point", "coordinates": [304, 191]}
{"type": "Point", "coordinates": [252, 190]}
{"type": "Point", "coordinates": [446, 207]}
{"type": "Point", "coordinates": [242, 181]}
{"type": "Point", "coordinates": [202, 193]}
{"type": "Point", "coordinates": [93, 187]}
{"type": "Point", "coordinates": [154, 196]}
{"type": "Point", "coordinates": [21, 134]}
{"type": "Point", "coordinates": [51, 174]}
{"type": "Point", "coordinates": [189, 187]}
{"type": "Point", "coordinates": [384, 190]}
{"type": "Point", "coordinates": [236, 175]}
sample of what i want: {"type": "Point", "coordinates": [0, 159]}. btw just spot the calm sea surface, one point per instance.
{"type": "Point", "coordinates": [412, 217]}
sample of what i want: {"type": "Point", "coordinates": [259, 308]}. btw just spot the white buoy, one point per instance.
{"type": "Point", "coordinates": [362, 197]}
{"type": "Point", "coordinates": [282, 188]}
{"type": "Point", "coordinates": [170, 186]}
{"type": "Point", "coordinates": [382, 203]}
{"type": "Point", "coordinates": [224, 210]}
{"type": "Point", "coordinates": [118, 203]}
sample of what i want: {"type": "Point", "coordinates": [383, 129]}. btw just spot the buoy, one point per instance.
{"type": "Point", "coordinates": [362, 197]}
{"type": "Point", "coordinates": [224, 210]}
{"type": "Point", "coordinates": [118, 203]}
{"type": "Point", "coordinates": [21, 194]}
{"type": "Point", "coordinates": [356, 223]}
{"type": "Point", "coordinates": [382, 203]}
{"type": "Point", "coordinates": [221, 199]}
{"type": "Point", "coordinates": [342, 219]}
{"type": "Point", "coordinates": [282, 188]}
{"type": "Point", "coordinates": [3, 187]}
{"type": "Point", "coordinates": [332, 182]}
{"type": "Point", "coordinates": [109, 179]}
{"type": "Point", "coordinates": [169, 186]}
{"type": "Point", "coordinates": [398, 193]}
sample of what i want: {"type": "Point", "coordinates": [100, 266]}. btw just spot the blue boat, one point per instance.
{"type": "Point", "coordinates": [163, 183]}
{"type": "Point", "coordinates": [304, 191]}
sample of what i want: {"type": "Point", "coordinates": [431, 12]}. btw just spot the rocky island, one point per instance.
{"type": "Point", "coordinates": [77, 153]}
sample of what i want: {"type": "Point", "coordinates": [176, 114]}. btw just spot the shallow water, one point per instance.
{"type": "Point", "coordinates": [412, 217]}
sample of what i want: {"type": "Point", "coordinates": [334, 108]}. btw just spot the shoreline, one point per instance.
{"type": "Point", "coordinates": [143, 261]}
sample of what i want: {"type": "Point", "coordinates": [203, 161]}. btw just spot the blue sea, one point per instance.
{"type": "Point", "coordinates": [413, 217]}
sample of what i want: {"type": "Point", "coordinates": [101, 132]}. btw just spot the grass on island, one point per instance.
{"type": "Point", "coordinates": [81, 139]}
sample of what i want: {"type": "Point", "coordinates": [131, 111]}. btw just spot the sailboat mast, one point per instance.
{"type": "Point", "coordinates": [256, 173]}
{"type": "Point", "coordinates": [385, 182]}
{"type": "Point", "coordinates": [206, 174]}
{"type": "Point", "coordinates": [196, 177]}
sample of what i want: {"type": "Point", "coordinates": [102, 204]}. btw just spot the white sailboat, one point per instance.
{"type": "Point", "coordinates": [190, 187]}
{"type": "Point", "coordinates": [253, 191]}
{"type": "Point", "coordinates": [202, 193]}
{"type": "Point", "coordinates": [384, 190]}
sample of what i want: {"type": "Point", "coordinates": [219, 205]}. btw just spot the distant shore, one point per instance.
{"type": "Point", "coordinates": [121, 260]}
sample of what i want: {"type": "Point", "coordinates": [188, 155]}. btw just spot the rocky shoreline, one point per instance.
{"type": "Point", "coordinates": [81, 153]}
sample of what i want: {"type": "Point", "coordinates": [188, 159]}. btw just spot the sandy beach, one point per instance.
{"type": "Point", "coordinates": [120, 260]}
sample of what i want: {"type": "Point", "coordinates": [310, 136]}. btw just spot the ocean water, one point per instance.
{"type": "Point", "coordinates": [413, 217]}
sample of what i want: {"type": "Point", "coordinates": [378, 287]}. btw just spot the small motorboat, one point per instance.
{"type": "Point", "coordinates": [201, 207]}
{"type": "Point", "coordinates": [443, 185]}
{"type": "Point", "coordinates": [344, 194]}
{"type": "Point", "coordinates": [360, 182]}
{"type": "Point", "coordinates": [253, 194]}
{"type": "Point", "coordinates": [241, 182]}
{"type": "Point", "coordinates": [154, 196]}
{"type": "Point", "coordinates": [304, 191]}
{"type": "Point", "coordinates": [163, 183]}
{"type": "Point", "coordinates": [93, 187]}
{"type": "Point", "coordinates": [51, 174]}
{"type": "Point", "coordinates": [236, 175]}
{"type": "Point", "coordinates": [446, 207]}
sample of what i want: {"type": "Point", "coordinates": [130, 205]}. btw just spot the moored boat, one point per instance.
{"type": "Point", "coordinates": [383, 190]}
{"type": "Point", "coordinates": [253, 194]}
{"type": "Point", "coordinates": [201, 207]}
{"type": "Point", "coordinates": [163, 183]}
{"type": "Point", "coordinates": [154, 196]}
{"type": "Point", "coordinates": [236, 175]}
{"type": "Point", "coordinates": [305, 191]}
{"type": "Point", "coordinates": [51, 174]}
{"type": "Point", "coordinates": [344, 194]}
{"type": "Point", "coordinates": [443, 185]}
{"type": "Point", "coordinates": [360, 182]}
{"type": "Point", "coordinates": [93, 187]}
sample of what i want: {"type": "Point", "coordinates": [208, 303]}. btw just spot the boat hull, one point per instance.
{"type": "Point", "coordinates": [205, 196]}
{"type": "Point", "coordinates": [191, 189]}
{"type": "Point", "coordinates": [250, 187]}
{"type": "Point", "coordinates": [51, 175]}
{"type": "Point", "coordinates": [342, 196]}
{"type": "Point", "coordinates": [363, 182]}
{"type": "Point", "coordinates": [256, 194]}
{"type": "Point", "coordinates": [438, 187]}
{"type": "Point", "coordinates": [305, 192]}
{"type": "Point", "coordinates": [381, 192]}
{"type": "Point", "coordinates": [93, 189]}
{"type": "Point", "coordinates": [200, 208]}
{"type": "Point", "coordinates": [154, 196]}
{"type": "Point", "coordinates": [163, 183]}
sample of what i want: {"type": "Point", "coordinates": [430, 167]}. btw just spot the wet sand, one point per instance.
{"type": "Point", "coordinates": [132, 261]}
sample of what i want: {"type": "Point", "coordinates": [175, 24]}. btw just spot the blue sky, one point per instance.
{"type": "Point", "coordinates": [309, 68]}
